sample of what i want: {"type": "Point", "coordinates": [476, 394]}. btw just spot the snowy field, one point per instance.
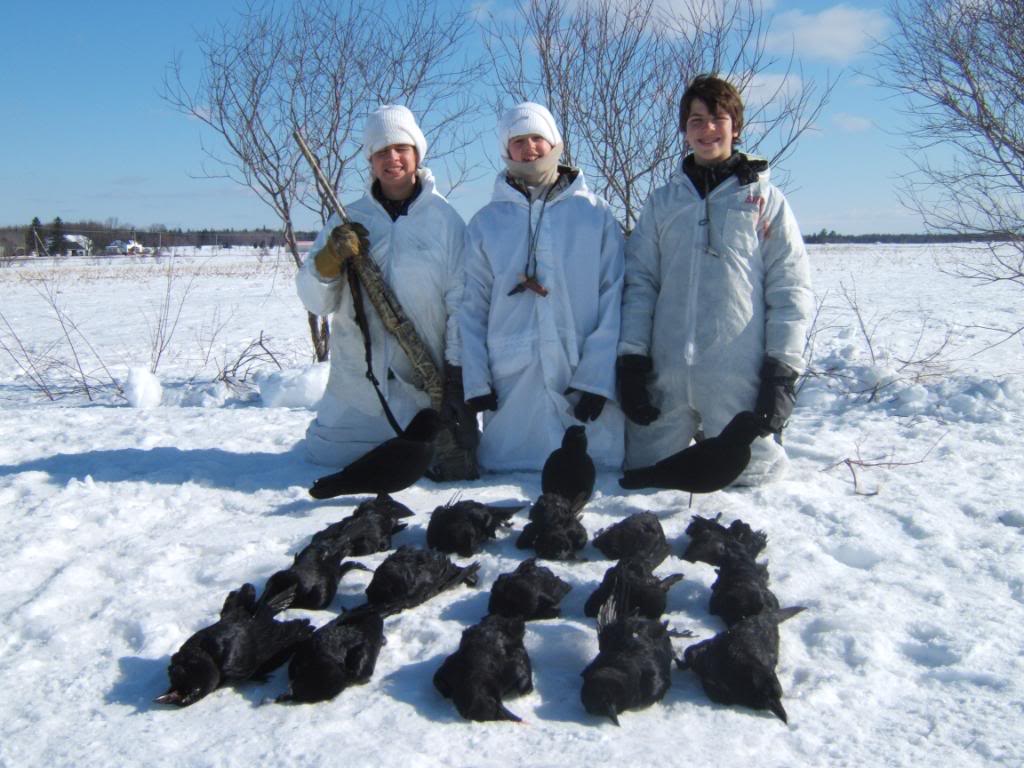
{"type": "Point", "coordinates": [129, 512]}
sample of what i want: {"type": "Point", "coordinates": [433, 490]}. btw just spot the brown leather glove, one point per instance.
{"type": "Point", "coordinates": [346, 241]}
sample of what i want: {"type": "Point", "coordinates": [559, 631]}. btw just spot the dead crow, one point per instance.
{"type": "Point", "coordinates": [703, 467]}
{"type": "Point", "coordinates": [462, 527]}
{"type": "Point", "coordinates": [490, 665]}
{"type": "Point", "coordinates": [410, 576]}
{"type": "Point", "coordinates": [312, 579]}
{"type": "Point", "coordinates": [531, 591]}
{"type": "Point", "coordinates": [392, 466]}
{"type": "Point", "coordinates": [245, 642]}
{"type": "Point", "coordinates": [741, 589]}
{"type": "Point", "coordinates": [708, 539]}
{"type": "Point", "coordinates": [642, 591]}
{"type": "Point", "coordinates": [633, 668]}
{"type": "Point", "coordinates": [737, 666]}
{"type": "Point", "coordinates": [367, 530]}
{"type": "Point", "coordinates": [554, 531]}
{"type": "Point", "coordinates": [639, 535]}
{"type": "Point", "coordinates": [341, 653]}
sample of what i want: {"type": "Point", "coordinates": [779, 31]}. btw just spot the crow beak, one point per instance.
{"type": "Point", "coordinates": [612, 714]}
{"type": "Point", "coordinates": [171, 697]}
{"type": "Point", "coordinates": [505, 714]}
{"type": "Point", "coordinates": [776, 707]}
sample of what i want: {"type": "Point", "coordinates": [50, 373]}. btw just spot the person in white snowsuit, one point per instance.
{"type": "Point", "coordinates": [416, 238]}
{"type": "Point", "coordinates": [541, 305]}
{"type": "Point", "coordinates": [717, 296]}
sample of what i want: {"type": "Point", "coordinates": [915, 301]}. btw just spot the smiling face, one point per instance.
{"type": "Point", "coordinates": [709, 135]}
{"type": "Point", "coordinates": [526, 149]}
{"type": "Point", "coordinates": [395, 168]}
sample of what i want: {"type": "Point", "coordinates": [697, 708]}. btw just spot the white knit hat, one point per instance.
{"type": "Point", "coordinates": [527, 119]}
{"type": "Point", "coordinates": [392, 124]}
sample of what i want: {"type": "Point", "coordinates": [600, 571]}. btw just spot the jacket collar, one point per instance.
{"type": "Point", "coordinates": [570, 182]}
{"type": "Point", "coordinates": [746, 168]}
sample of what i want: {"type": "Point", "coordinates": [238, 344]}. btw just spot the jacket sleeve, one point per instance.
{"type": "Point", "coordinates": [317, 294]}
{"type": "Point", "coordinates": [456, 273]}
{"type": "Point", "coordinates": [596, 370]}
{"type": "Point", "coordinates": [473, 314]}
{"type": "Point", "coordinates": [788, 299]}
{"type": "Point", "coordinates": [641, 285]}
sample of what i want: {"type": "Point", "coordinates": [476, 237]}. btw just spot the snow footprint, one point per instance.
{"type": "Point", "coordinates": [930, 647]}
{"type": "Point", "coordinates": [856, 556]}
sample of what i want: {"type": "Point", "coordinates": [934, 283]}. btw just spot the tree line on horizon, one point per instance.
{"type": "Point", "coordinates": [20, 241]}
{"type": "Point", "coordinates": [53, 238]}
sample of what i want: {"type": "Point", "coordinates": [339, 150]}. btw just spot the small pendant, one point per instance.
{"type": "Point", "coordinates": [529, 283]}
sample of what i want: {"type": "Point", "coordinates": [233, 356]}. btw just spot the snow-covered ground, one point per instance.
{"type": "Point", "coordinates": [130, 511]}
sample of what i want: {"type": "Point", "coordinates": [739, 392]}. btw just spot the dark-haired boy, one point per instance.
{"type": "Point", "coordinates": [717, 296]}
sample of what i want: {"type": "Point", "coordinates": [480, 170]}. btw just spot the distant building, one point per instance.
{"type": "Point", "coordinates": [80, 245]}
{"type": "Point", "coordinates": [124, 246]}
{"type": "Point", "coordinates": [75, 245]}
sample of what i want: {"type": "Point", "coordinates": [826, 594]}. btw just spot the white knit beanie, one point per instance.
{"type": "Point", "coordinates": [527, 119]}
{"type": "Point", "coordinates": [392, 124]}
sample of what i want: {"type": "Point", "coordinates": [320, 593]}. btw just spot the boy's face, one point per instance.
{"type": "Point", "coordinates": [710, 136]}
{"type": "Point", "coordinates": [395, 168]}
{"type": "Point", "coordinates": [526, 149]}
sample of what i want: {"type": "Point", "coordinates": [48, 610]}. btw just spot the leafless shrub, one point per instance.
{"type": "Point", "coordinates": [257, 355]}
{"type": "Point", "coordinates": [168, 313]}
{"type": "Point", "coordinates": [66, 366]}
{"type": "Point", "coordinates": [885, 462]}
{"type": "Point", "coordinates": [916, 366]}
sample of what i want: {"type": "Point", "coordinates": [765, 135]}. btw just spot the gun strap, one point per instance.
{"type": "Point", "coordinates": [364, 328]}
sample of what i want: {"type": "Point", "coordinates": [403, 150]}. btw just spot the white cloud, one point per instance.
{"type": "Point", "coordinates": [838, 34]}
{"type": "Point", "coordinates": [852, 123]}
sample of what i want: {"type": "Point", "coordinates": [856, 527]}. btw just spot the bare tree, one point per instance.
{"type": "Point", "coordinates": [959, 68]}
{"type": "Point", "coordinates": [612, 73]}
{"type": "Point", "coordinates": [322, 66]}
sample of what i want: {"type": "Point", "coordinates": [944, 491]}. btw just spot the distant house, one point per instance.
{"type": "Point", "coordinates": [75, 245]}
{"type": "Point", "coordinates": [80, 245]}
{"type": "Point", "coordinates": [124, 246]}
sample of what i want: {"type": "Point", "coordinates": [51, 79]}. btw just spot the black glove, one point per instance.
{"type": "Point", "coordinates": [488, 402]}
{"type": "Point", "coordinates": [589, 407]}
{"type": "Point", "coordinates": [776, 397]}
{"type": "Point", "coordinates": [633, 372]}
{"type": "Point", "coordinates": [455, 412]}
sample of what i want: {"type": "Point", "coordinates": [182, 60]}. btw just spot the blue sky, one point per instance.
{"type": "Point", "coordinates": [85, 133]}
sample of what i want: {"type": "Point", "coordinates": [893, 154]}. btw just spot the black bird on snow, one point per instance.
{"type": "Point", "coordinates": [392, 466]}
{"type": "Point", "coordinates": [633, 668]}
{"type": "Point", "coordinates": [703, 467]}
{"type": "Point", "coordinates": [741, 589]}
{"type": "Point", "coordinates": [312, 580]}
{"type": "Point", "coordinates": [462, 527]}
{"type": "Point", "coordinates": [639, 535]}
{"type": "Point", "coordinates": [245, 642]}
{"type": "Point", "coordinates": [530, 592]}
{"type": "Point", "coordinates": [367, 530]}
{"type": "Point", "coordinates": [554, 531]}
{"type": "Point", "coordinates": [709, 538]}
{"type": "Point", "coordinates": [341, 653]}
{"type": "Point", "coordinates": [569, 471]}
{"type": "Point", "coordinates": [410, 576]}
{"type": "Point", "coordinates": [639, 590]}
{"type": "Point", "coordinates": [490, 664]}
{"type": "Point", "coordinates": [737, 666]}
